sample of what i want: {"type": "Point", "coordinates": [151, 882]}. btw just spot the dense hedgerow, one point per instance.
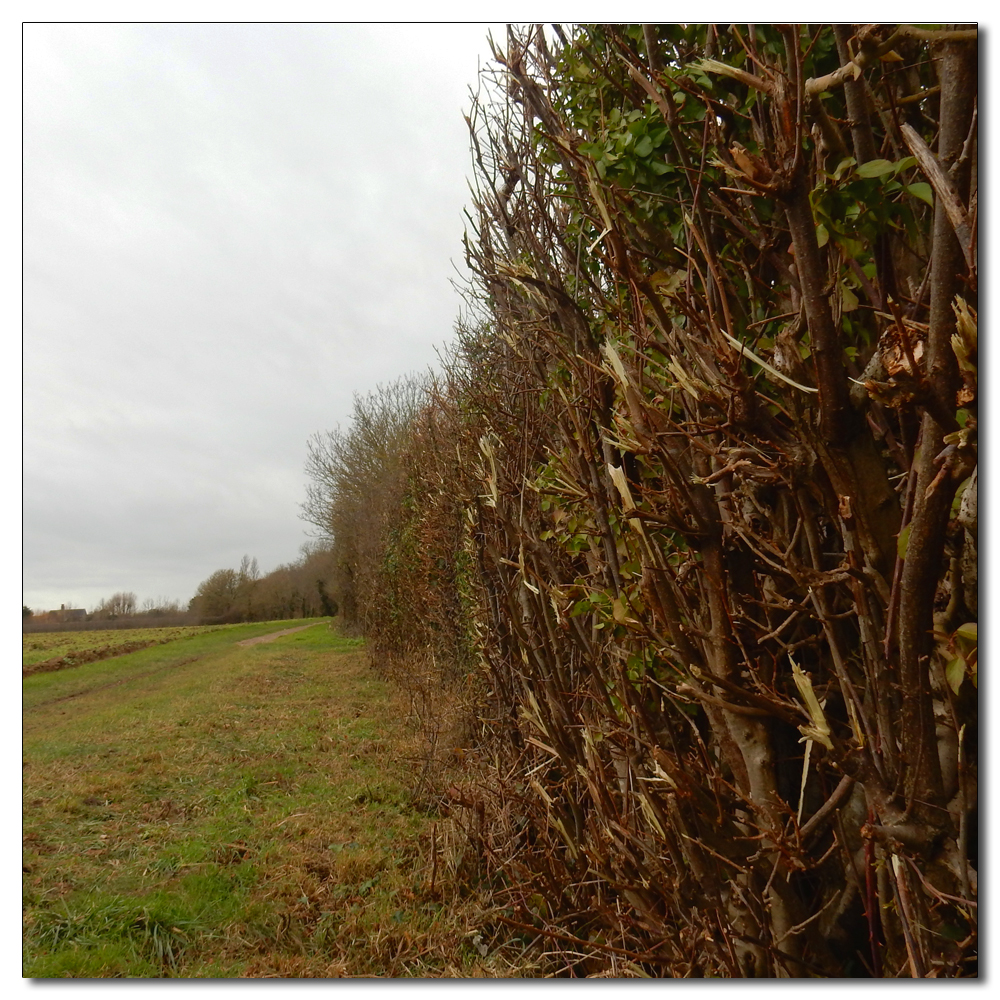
{"type": "Point", "coordinates": [697, 495]}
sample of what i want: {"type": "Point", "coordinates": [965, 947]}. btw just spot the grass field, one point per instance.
{"type": "Point", "coordinates": [203, 809]}
{"type": "Point", "coordinates": [42, 647]}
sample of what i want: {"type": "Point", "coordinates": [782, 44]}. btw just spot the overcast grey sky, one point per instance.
{"type": "Point", "coordinates": [228, 231]}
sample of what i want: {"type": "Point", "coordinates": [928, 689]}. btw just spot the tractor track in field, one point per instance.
{"type": "Point", "coordinates": [71, 660]}
{"type": "Point", "coordinates": [269, 637]}
{"type": "Point", "coordinates": [118, 683]}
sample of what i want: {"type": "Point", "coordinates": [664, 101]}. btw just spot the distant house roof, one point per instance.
{"type": "Point", "coordinates": [68, 614]}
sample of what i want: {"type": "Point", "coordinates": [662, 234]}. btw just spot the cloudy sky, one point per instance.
{"type": "Point", "coordinates": [228, 231]}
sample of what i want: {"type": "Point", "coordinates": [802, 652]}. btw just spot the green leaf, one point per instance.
{"type": "Point", "coordinates": [969, 631]}
{"type": "Point", "coordinates": [956, 502]}
{"type": "Point", "coordinates": [903, 541]}
{"type": "Point", "coordinates": [636, 666]}
{"type": "Point", "coordinates": [876, 168]}
{"type": "Point", "coordinates": [852, 247]}
{"type": "Point", "coordinates": [843, 166]}
{"type": "Point", "coordinates": [921, 190]}
{"type": "Point", "coordinates": [955, 673]}
{"type": "Point", "coordinates": [822, 235]}
{"type": "Point", "coordinates": [644, 146]}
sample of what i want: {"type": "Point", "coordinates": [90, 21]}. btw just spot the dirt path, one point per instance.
{"type": "Point", "coordinates": [271, 636]}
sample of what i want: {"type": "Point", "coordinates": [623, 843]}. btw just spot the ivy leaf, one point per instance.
{"type": "Point", "coordinates": [822, 236]}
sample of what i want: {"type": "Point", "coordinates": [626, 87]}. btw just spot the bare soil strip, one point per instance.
{"type": "Point", "coordinates": [88, 656]}
{"type": "Point", "coordinates": [271, 636]}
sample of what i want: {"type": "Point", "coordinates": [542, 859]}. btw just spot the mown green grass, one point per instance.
{"type": "Point", "coordinates": [200, 809]}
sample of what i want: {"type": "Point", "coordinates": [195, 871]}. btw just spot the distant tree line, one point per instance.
{"type": "Point", "coordinates": [303, 588]}
{"type": "Point", "coordinates": [120, 610]}
{"type": "Point", "coordinates": [300, 589]}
